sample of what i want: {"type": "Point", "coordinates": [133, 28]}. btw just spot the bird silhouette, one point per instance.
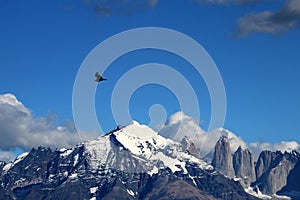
{"type": "Point", "coordinates": [99, 77]}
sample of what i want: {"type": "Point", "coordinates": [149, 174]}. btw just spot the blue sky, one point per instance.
{"type": "Point", "coordinates": [42, 45]}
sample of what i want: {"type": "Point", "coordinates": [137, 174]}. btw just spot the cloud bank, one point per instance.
{"type": "Point", "coordinates": [285, 19]}
{"type": "Point", "coordinates": [19, 129]}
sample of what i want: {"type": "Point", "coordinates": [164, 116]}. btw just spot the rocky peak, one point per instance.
{"type": "Point", "coordinates": [189, 146]}
{"type": "Point", "coordinates": [264, 162]}
{"type": "Point", "coordinates": [243, 164]}
{"type": "Point", "coordinates": [222, 159]}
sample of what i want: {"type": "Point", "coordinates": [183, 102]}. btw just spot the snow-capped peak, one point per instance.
{"type": "Point", "coordinates": [138, 148]}
{"type": "Point", "coordinates": [139, 139]}
{"type": "Point", "coordinates": [133, 122]}
{"type": "Point", "coordinates": [234, 140]}
{"type": "Point", "coordinates": [137, 130]}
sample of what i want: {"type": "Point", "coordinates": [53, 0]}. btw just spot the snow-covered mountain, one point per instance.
{"type": "Point", "coordinates": [132, 162]}
{"type": "Point", "coordinates": [138, 148]}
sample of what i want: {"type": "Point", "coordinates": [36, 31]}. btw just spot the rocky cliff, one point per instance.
{"type": "Point", "coordinates": [189, 146]}
{"type": "Point", "coordinates": [292, 187]}
{"type": "Point", "coordinates": [272, 170]}
{"type": "Point", "coordinates": [268, 176]}
{"type": "Point", "coordinates": [243, 164]}
{"type": "Point", "coordinates": [222, 159]}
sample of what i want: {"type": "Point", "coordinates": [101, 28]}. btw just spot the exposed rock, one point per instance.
{"type": "Point", "coordinates": [243, 165]}
{"type": "Point", "coordinates": [264, 162]}
{"type": "Point", "coordinates": [1, 165]}
{"type": "Point", "coordinates": [222, 160]}
{"type": "Point", "coordinates": [189, 146]}
{"type": "Point", "coordinates": [274, 168]}
{"type": "Point", "coordinates": [166, 187]}
{"type": "Point", "coordinates": [292, 188]}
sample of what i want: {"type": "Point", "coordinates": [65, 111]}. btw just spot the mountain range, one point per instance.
{"type": "Point", "coordinates": [269, 175]}
{"type": "Point", "coordinates": [135, 162]}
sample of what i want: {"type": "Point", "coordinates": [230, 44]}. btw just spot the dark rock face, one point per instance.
{"type": "Point", "coordinates": [217, 184]}
{"type": "Point", "coordinates": [222, 159]}
{"type": "Point", "coordinates": [264, 162]}
{"type": "Point", "coordinates": [272, 170]}
{"type": "Point", "coordinates": [243, 164]}
{"type": "Point", "coordinates": [189, 146]}
{"type": "Point", "coordinates": [165, 186]}
{"type": "Point", "coordinates": [292, 188]}
{"type": "Point", "coordinates": [1, 165]}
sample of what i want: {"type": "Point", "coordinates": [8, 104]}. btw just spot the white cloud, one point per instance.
{"type": "Point", "coordinates": [7, 156]}
{"type": "Point", "coordinates": [257, 147]}
{"type": "Point", "coordinates": [180, 125]}
{"type": "Point", "coordinates": [18, 128]}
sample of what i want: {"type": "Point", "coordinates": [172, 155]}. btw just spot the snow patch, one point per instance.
{"type": "Point", "coordinates": [93, 190]}
{"type": "Point", "coordinates": [7, 167]}
{"type": "Point", "coordinates": [65, 152]}
{"type": "Point", "coordinates": [257, 194]}
{"type": "Point", "coordinates": [20, 157]}
{"type": "Point", "coordinates": [73, 176]}
{"type": "Point", "coordinates": [193, 180]}
{"type": "Point", "coordinates": [130, 192]}
{"type": "Point", "coordinates": [282, 197]}
{"type": "Point", "coordinates": [153, 171]}
{"type": "Point", "coordinates": [75, 160]}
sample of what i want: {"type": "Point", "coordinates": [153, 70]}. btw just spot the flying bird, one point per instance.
{"type": "Point", "coordinates": [99, 77]}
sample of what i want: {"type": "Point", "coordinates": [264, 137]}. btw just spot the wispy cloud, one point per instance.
{"type": "Point", "coordinates": [229, 1]}
{"type": "Point", "coordinates": [123, 7]}
{"type": "Point", "coordinates": [286, 18]}
{"type": "Point", "coordinates": [19, 129]}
